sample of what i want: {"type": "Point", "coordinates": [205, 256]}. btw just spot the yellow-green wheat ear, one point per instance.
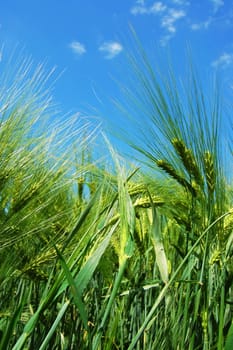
{"type": "Point", "coordinates": [209, 171]}
{"type": "Point", "coordinates": [188, 160]}
{"type": "Point", "coordinates": [168, 168]}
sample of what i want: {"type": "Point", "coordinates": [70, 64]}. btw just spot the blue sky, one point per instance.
{"type": "Point", "coordinates": [88, 40]}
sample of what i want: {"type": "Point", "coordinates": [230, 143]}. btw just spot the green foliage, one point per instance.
{"type": "Point", "coordinates": [122, 259]}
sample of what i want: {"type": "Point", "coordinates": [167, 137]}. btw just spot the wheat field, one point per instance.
{"type": "Point", "coordinates": [97, 257]}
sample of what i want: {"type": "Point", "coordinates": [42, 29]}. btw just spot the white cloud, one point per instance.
{"type": "Point", "coordinates": [181, 2]}
{"type": "Point", "coordinates": [141, 9]}
{"type": "Point", "coordinates": [168, 16]}
{"type": "Point", "coordinates": [111, 49]}
{"type": "Point", "coordinates": [157, 7]}
{"type": "Point", "coordinates": [165, 39]}
{"type": "Point", "coordinates": [201, 25]}
{"type": "Point", "coordinates": [77, 48]}
{"type": "Point", "coordinates": [223, 61]}
{"type": "Point", "coordinates": [217, 4]}
{"type": "Point", "coordinates": [169, 20]}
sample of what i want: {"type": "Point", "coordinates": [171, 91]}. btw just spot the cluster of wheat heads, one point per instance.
{"type": "Point", "coordinates": [181, 141]}
{"type": "Point", "coordinates": [97, 257]}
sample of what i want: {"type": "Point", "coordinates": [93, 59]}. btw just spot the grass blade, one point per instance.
{"type": "Point", "coordinates": [229, 339]}
{"type": "Point", "coordinates": [74, 289]}
{"type": "Point", "coordinates": [168, 285]}
{"type": "Point", "coordinates": [54, 326]}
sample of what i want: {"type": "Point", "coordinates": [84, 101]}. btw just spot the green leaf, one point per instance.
{"type": "Point", "coordinates": [74, 289]}
{"type": "Point", "coordinates": [229, 338]}
{"type": "Point", "coordinates": [86, 272]}
{"type": "Point", "coordinates": [10, 327]}
{"type": "Point", "coordinates": [54, 326]}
